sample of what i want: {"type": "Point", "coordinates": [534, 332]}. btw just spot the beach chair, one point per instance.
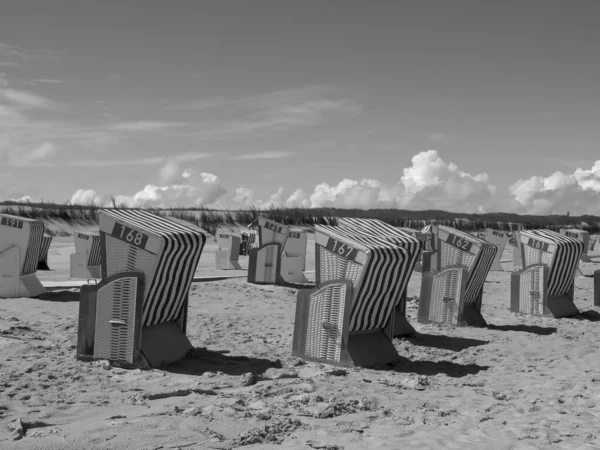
{"type": "Point", "coordinates": [137, 314]}
{"type": "Point", "coordinates": [452, 290]}
{"type": "Point", "coordinates": [43, 262]}
{"type": "Point", "coordinates": [499, 239]}
{"type": "Point", "coordinates": [20, 247]}
{"type": "Point", "coordinates": [227, 257]}
{"type": "Point", "coordinates": [293, 259]}
{"type": "Point", "coordinates": [270, 263]}
{"type": "Point", "coordinates": [545, 286]}
{"type": "Point", "coordinates": [249, 240]}
{"type": "Point", "coordinates": [580, 235]}
{"type": "Point", "coordinates": [86, 261]}
{"type": "Point", "coordinates": [361, 275]}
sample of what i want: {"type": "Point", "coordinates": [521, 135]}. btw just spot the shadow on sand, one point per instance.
{"type": "Point", "coordinates": [541, 331]}
{"type": "Point", "coordinates": [59, 296]}
{"type": "Point", "coordinates": [430, 368]}
{"type": "Point", "coordinates": [590, 315]}
{"type": "Point", "coordinates": [202, 360]}
{"type": "Point", "coordinates": [453, 343]}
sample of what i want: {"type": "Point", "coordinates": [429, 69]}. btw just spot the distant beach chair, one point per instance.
{"type": "Point", "coordinates": [20, 246]}
{"type": "Point", "coordinates": [273, 262]}
{"type": "Point", "coordinates": [580, 235]}
{"type": "Point", "coordinates": [499, 239]}
{"type": "Point", "coordinates": [43, 262]}
{"type": "Point", "coordinates": [452, 287]}
{"type": "Point", "coordinates": [545, 286]}
{"type": "Point", "coordinates": [138, 312]}
{"type": "Point", "coordinates": [227, 257]}
{"type": "Point", "coordinates": [362, 270]}
{"type": "Point", "coordinates": [249, 240]}
{"type": "Point", "coordinates": [86, 261]}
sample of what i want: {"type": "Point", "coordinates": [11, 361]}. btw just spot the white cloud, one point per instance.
{"type": "Point", "coordinates": [578, 193]}
{"type": "Point", "coordinates": [47, 80]}
{"type": "Point", "coordinates": [243, 197]}
{"type": "Point", "coordinates": [262, 155]}
{"type": "Point", "coordinates": [169, 172]}
{"type": "Point", "coordinates": [85, 197]}
{"type": "Point", "coordinates": [438, 137]}
{"type": "Point", "coordinates": [25, 99]}
{"type": "Point", "coordinates": [193, 189]}
{"type": "Point", "coordinates": [145, 125]}
{"type": "Point", "coordinates": [298, 199]}
{"type": "Point", "coordinates": [429, 183]}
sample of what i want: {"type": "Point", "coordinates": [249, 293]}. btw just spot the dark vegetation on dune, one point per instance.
{"type": "Point", "coordinates": [210, 219]}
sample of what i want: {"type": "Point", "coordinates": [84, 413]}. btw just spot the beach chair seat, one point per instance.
{"type": "Point", "coordinates": [248, 240]}
{"type": "Point", "coordinates": [227, 257]}
{"type": "Point", "coordinates": [43, 261]}
{"type": "Point", "coordinates": [499, 239]}
{"type": "Point", "coordinates": [293, 258]}
{"type": "Point", "coordinates": [580, 235]}
{"type": "Point", "coordinates": [546, 284]}
{"type": "Point", "coordinates": [86, 261]}
{"type": "Point", "coordinates": [275, 261]}
{"type": "Point", "coordinates": [459, 264]}
{"type": "Point", "coordinates": [20, 246]}
{"type": "Point", "coordinates": [361, 276]}
{"type": "Point", "coordinates": [137, 314]}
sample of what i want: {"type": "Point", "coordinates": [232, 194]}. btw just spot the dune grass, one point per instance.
{"type": "Point", "coordinates": [211, 219]}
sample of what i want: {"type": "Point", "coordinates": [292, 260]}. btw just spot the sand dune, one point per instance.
{"type": "Point", "coordinates": [521, 383]}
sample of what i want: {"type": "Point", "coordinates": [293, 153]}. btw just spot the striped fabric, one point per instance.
{"type": "Point", "coordinates": [46, 241]}
{"type": "Point", "coordinates": [563, 263]}
{"type": "Point", "coordinates": [181, 249]}
{"type": "Point", "coordinates": [32, 256]}
{"type": "Point", "coordinates": [393, 255]}
{"type": "Point", "coordinates": [95, 258]}
{"type": "Point", "coordinates": [480, 266]}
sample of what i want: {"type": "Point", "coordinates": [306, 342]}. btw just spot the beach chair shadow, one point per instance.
{"type": "Point", "coordinates": [430, 368]}
{"type": "Point", "coordinates": [453, 343]}
{"type": "Point", "coordinates": [590, 315]}
{"type": "Point", "coordinates": [541, 331]}
{"type": "Point", "coordinates": [60, 296]}
{"type": "Point", "coordinates": [202, 360]}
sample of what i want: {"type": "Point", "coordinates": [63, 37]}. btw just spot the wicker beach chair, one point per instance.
{"type": "Point", "coordinates": [362, 270]}
{"type": "Point", "coordinates": [249, 241]}
{"type": "Point", "coordinates": [43, 261]}
{"type": "Point", "coordinates": [20, 246]}
{"type": "Point", "coordinates": [580, 235]}
{"type": "Point", "coordinates": [137, 314]}
{"type": "Point", "coordinates": [545, 286]}
{"type": "Point", "coordinates": [452, 288]}
{"type": "Point", "coordinates": [86, 261]}
{"type": "Point", "coordinates": [270, 263]}
{"type": "Point", "coordinates": [227, 257]}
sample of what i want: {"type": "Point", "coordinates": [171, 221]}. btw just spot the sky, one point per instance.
{"type": "Point", "coordinates": [465, 106]}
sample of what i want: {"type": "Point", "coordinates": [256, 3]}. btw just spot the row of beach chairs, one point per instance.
{"type": "Point", "coordinates": [137, 313]}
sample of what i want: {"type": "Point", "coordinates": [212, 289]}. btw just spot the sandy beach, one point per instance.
{"type": "Point", "coordinates": [521, 383]}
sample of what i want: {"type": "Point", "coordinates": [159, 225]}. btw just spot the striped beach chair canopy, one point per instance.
{"type": "Point", "coordinates": [90, 243]}
{"type": "Point", "coordinates": [26, 234]}
{"type": "Point", "coordinates": [559, 252]}
{"type": "Point", "coordinates": [580, 235]}
{"type": "Point", "coordinates": [46, 241]}
{"type": "Point", "coordinates": [165, 251]}
{"type": "Point", "coordinates": [460, 248]}
{"type": "Point", "coordinates": [377, 258]}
